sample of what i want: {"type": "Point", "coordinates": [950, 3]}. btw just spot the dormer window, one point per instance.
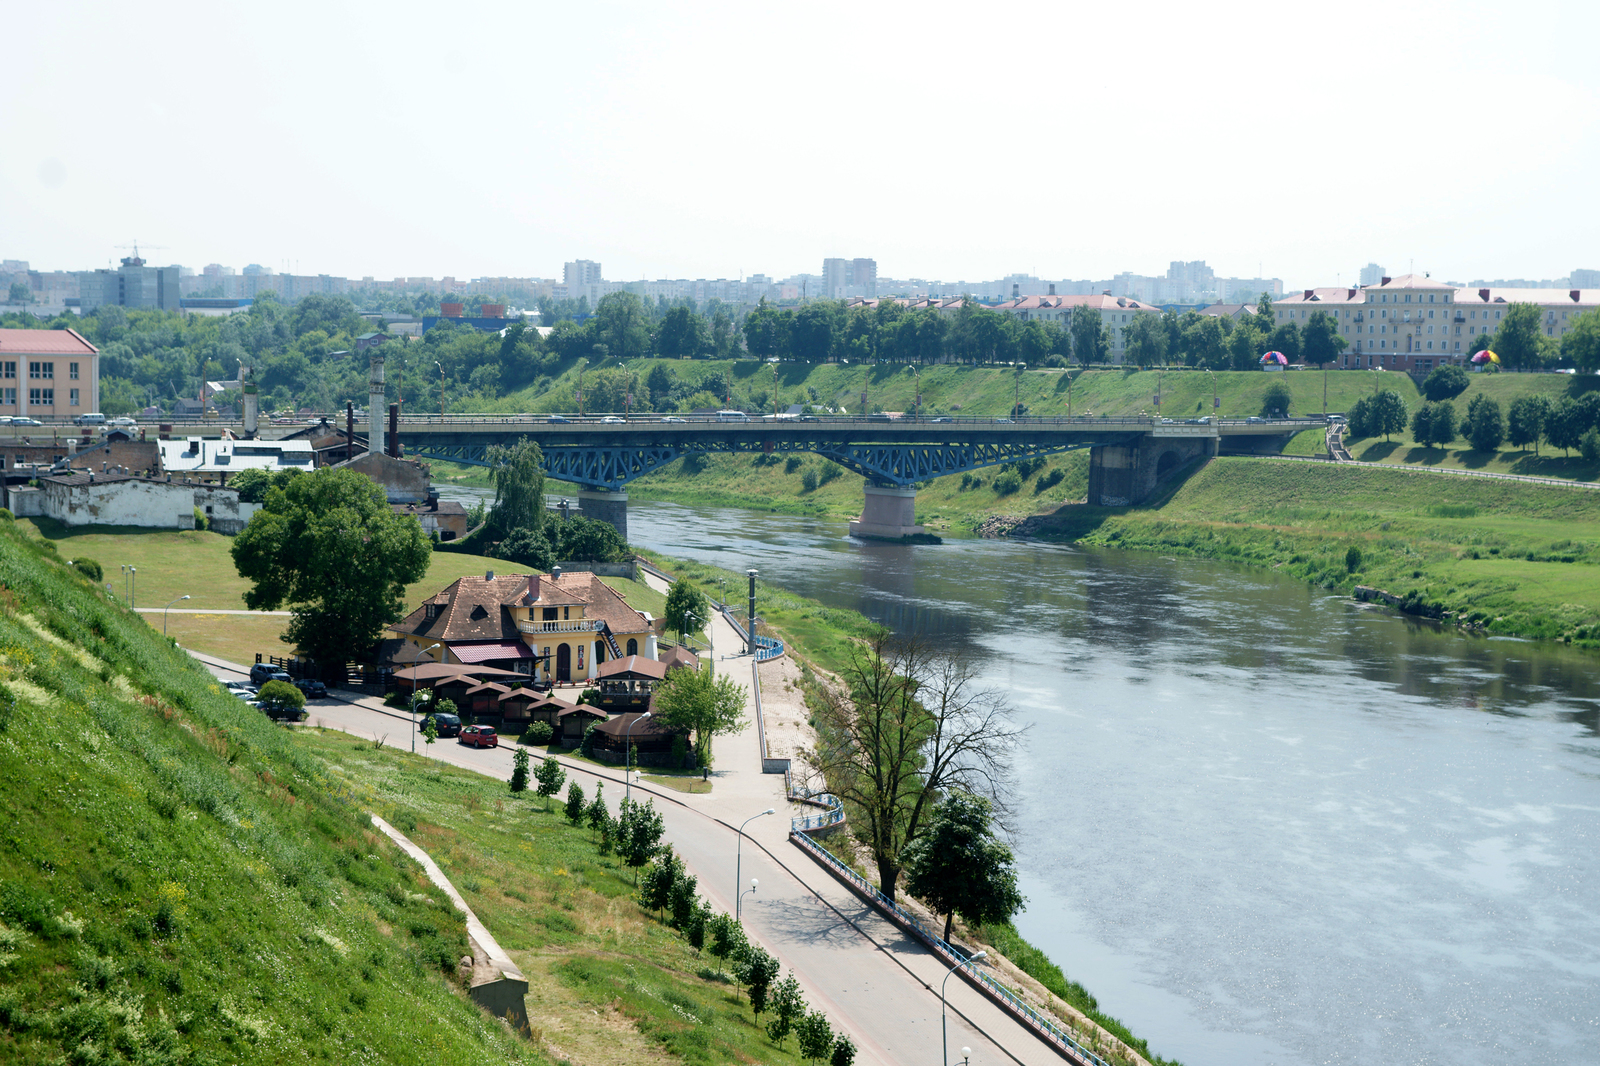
{"type": "Point", "coordinates": [430, 611]}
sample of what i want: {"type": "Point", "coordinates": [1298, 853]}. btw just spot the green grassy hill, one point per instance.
{"type": "Point", "coordinates": [1512, 557]}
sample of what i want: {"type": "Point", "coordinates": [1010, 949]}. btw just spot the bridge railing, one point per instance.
{"type": "Point", "coordinates": [420, 421]}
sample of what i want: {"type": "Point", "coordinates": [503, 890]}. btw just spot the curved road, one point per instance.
{"type": "Point", "coordinates": [870, 977]}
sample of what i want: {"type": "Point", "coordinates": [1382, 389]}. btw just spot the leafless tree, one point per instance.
{"type": "Point", "coordinates": [913, 724]}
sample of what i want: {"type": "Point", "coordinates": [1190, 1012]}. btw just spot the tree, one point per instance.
{"type": "Point", "coordinates": [518, 488]}
{"type": "Point", "coordinates": [913, 725]}
{"type": "Point", "coordinates": [1525, 422]}
{"type": "Point", "coordinates": [682, 901]}
{"type": "Point", "coordinates": [1582, 343]}
{"type": "Point", "coordinates": [1434, 423]}
{"type": "Point", "coordinates": [1359, 419]}
{"type": "Point", "coordinates": [1144, 341]}
{"type": "Point", "coordinates": [1519, 340]}
{"type": "Point", "coordinates": [519, 770]}
{"type": "Point", "coordinates": [430, 729]}
{"type": "Point", "coordinates": [755, 971]}
{"type": "Point", "coordinates": [959, 867]}
{"type": "Point", "coordinates": [550, 776]}
{"type": "Point", "coordinates": [1564, 425]}
{"type": "Point", "coordinates": [1091, 339]}
{"type": "Point", "coordinates": [1589, 446]}
{"type": "Point", "coordinates": [788, 1006]}
{"type": "Point", "coordinates": [596, 813]}
{"type": "Point", "coordinates": [815, 1036]}
{"type": "Point", "coordinates": [20, 293]}
{"type": "Point", "coordinates": [1275, 404]}
{"type": "Point", "coordinates": [682, 335]}
{"type": "Point", "coordinates": [621, 324]}
{"type": "Point", "coordinates": [526, 547]}
{"type": "Point", "coordinates": [686, 610]}
{"type": "Point", "coordinates": [590, 540]}
{"type": "Point", "coordinates": [282, 701]}
{"type": "Point", "coordinates": [815, 330]}
{"type": "Point", "coordinates": [1286, 339]}
{"type": "Point", "coordinates": [1484, 426]}
{"type": "Point", "coordinates": [693, 699]}
{"type": "Point", "coordinates": [329, 545]}
{"type": "Point", "coordinates": [844, 1052]}
{"type": "Point", "coordinates": [574, 809]}
{"type": "Point", "coordinates": [639, 831]}
{"type": "Point", "coordinates": [1320, 342]}
{"type": "Point", "coordinates": [727, 938]}
{"type": "Point", "coordinates": [1388, 413]}
{"type": "Point", "coordinates": [1446, 383]}
{"type": "Point", "coordinates": [1246, 345]}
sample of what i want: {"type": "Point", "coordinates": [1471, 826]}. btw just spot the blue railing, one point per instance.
{"type": "Point", "coordinates": [832, 816]}
{"type": "Point", "coordinates": [767, 648]}
{"type": "Point", "coordinates": [1047, 1026]}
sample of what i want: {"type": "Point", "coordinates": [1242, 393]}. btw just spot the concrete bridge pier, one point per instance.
{"type": "Point", "coordinates": [889, 512]}
{"type": "Point", "coordinates": [1121, 475]}
{"type": "Point", "coordinates": [606, 505]}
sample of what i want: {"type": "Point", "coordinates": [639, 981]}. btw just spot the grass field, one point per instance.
{"type": "Point", "coordinates": [1512, 557]}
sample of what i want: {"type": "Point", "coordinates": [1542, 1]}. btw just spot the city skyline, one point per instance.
{"type": "Point", "coordinates": [1271, 142]}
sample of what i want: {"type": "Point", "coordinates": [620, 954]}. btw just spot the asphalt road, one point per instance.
{"type": "Point", "coordinates": [869, 976]}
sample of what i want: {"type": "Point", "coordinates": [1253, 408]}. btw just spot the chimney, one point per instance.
{"type": "Point", "coordinates": [1106, 293]}
{"type": "Point", "coordinates": [533, 588]}
{"type": "Point", "coordinates": [1052, 288]}
{"type": "Point", "coordinates": [488, 575]}
{"type": "Point", "coordinates": [394, 430]}
{"type": "Point", "coordinates": [1352, 293]}
{"type": "Point", "coordinates": [555, 574]}
{"type": "Point", "coordinates": [1574, 294]}
{"type": "Point", "coordinates": [1308, 294]}
{"type": "Point", "coordinates": [1016, 290]}
{"type": "Point", "coordinates": [1483, 294]}
{"type": "Point", "coordinates": [375, 402]}
{"type": "Point", "coordinates": [1385, 281]}
{"type": "Point", "coordinates": [350, 429]}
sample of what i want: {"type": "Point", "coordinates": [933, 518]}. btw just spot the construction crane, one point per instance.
{"type": "Point", "coordinates": [135, 247]}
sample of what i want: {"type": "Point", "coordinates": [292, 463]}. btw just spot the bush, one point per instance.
{"type": "Point", "coordinates": [282, 701]}
{"type": "Point", "coordinates": [590, 696]}
{"type": "Point", "coordinates": [808, 480]}
{"type": "Point", "coordinates": [526, 547]}
{"type": "Point", "coordinates": [1352, 560]}
{"type": "Point", "coordinates": [200, 521]}
{"type": "Point", "coordinates": [1048, 480]}
{"type": "Point", "coordinates": [89, 569]}
{"type": "Point", "coordinates": [1590, 446]}
{"type": "Point", "coordinates": [1445, 383]}
{"type": "Point", "coordinates": [1007, 483]}
{"type": "Point", "coordinates": [586, 746]}
{"type": "Point", "coordinates": [537, 733]}
{"type": "Point", "coordinates": [1275, 404]}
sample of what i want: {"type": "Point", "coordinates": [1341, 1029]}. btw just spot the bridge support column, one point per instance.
{"type": "Point", "coordinates": [889, 512]}
{"type": "Point", "coordinates": [606, 506]}
{"type": "Point", "coordinates": [1121, 475]}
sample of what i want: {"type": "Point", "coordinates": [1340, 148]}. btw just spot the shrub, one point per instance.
{"type": "Point", "coordinates": [586, 746]}
{"type": "Point", "coordinates": [830, 472]}
{"type": "Point", "coordinates": [519, 771]}
{"type": "Point", "coordinates": [537, 733]}
{"type": "Point", "coordinates": [590, 696]}
{"type": "Point", "coordinates": [89, 569]}
{"type": "Point", "coordinates": [6, 516]}
{"type": "Point", "coordinates": [200, 522]}
{"type": "Point", "coordinates": [283, 701]}
{"type": "Point", "coordinates": [575, 807]}
{"type": "Point", "coordinates": [1590, 446]}
{"type": "Point", "coordinates": [1352, 560]}
{"type": "Point", "coordinates": [1445, 383]}
{"type": "Point", "coordinates": [791, 464]}
{"type": "Point", "coordinates": [1007, 483]}
{"type": "Point", "coordinates": [1048, 480]}
{"type": "Point", "coordinates": [808, 480]}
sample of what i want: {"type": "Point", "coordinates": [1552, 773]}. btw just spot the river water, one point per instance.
{"type": "Point", "coordinates": [1262, 824]}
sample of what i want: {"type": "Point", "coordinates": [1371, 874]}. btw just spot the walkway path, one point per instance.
{"type": "Point", "coordinates": [1553, 482]}
{"type": "Point", "coordinates": [877, 983]}
{"type": "Point", "coordinates": [202, 610]}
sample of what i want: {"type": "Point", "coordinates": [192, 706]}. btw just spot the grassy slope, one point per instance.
{"type": "Point", "coordinates": [1518, 558]}
{"type": "Point", "coordinates": [183, 884]}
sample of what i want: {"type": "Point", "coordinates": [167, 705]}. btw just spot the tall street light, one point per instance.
{"type": "Point", "coordinates": [738, 858]}
{"type": "Point", "coordinates": [133, 588]}
{"type": "Point", "coordinates": [164, 614]}
{"type": "Point", "coordinates": [416, 665]}
{"type": "Point", "coordinates": [747, 892]}
{"type": "Point", "coordinates": [944, 1029]}
{"type": "Point", "coordinates": [627, 756]}
{"type": "Point", "coordinates": [441, 389]}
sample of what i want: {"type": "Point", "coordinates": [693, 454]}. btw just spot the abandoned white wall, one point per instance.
{"type": "Point", "coordinates": [131, 502]}
{"type": "Point", "coordinates": [223, 509]}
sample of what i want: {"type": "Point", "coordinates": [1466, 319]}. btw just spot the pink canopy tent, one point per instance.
{"type": "Point", "coordinates": [1275, 357]}
{"type": "Point", "coordinates": [1485, 357]}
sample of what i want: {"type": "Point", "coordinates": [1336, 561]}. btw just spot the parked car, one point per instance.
{"type": "Point", "coordinates": [312, 688]}
{"type": "Point", "coordinates": [261, 673]}
{"type": "Point", "coordinates": [238, 686]}
{"type": "Point", "coordinates": [444, 725]}
{"type": "Point", "coordinates": [479, 736]}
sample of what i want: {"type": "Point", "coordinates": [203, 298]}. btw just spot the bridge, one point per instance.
{"type": "Point", "coordinates": [1130, 456]}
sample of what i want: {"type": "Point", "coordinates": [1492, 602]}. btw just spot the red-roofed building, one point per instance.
{"type": "Point", "coordinates": [48, 373]}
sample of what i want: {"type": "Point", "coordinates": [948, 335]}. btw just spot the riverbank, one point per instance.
{"type": "Point", "coordinates": [1495, 556]}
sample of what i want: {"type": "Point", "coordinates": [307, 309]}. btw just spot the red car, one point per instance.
{"type": "Point", "coordinates": [479, 736]}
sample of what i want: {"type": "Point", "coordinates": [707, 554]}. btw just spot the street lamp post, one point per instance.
{"type": "Point", "coordinates": [738, 857]}
{"type": "Point", "coordinates": [1215, 402]}
{"type": "Point", "coordinates": [627, 756]}
{"type": "Point", "coordinates": [133, 588]}
{"type": "Point", "coordinates": [412, 705]}
{"type": "Point", "coordinates": [738, 904]}
{"type": "Point", "coordinates": [164, 614]}
{"type": "Point", "coordinates": [441, 389]}
{"type": "Point", "coordinates": [944, 1029]}
{"type": "Point", "coordinates": [751, 620]}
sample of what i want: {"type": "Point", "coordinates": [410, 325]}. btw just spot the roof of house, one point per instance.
{"type": "Point", "coordinates": [428, 672]}
{"type": "Point", "coordinates": [433, 507]}
{"type": "Point", "coordinates": [1586, 298]}
{"type": "Point", "coordinates": [44, 342]}
{"type": "Point", "coordinates": [582, 708]}
{"type": "Point", "coordinates": [618, 725]}
{"type": "Point", "coordinates": [228, 456]}
{"type": "Point", "coordinates": [1229, 310]}
{"type": "Point", "coordinates": [1337, 294]}
{"type": "Point", "coordinates": [477, 608]}
{"type": "Point", "coordinates": [680, 656]}
{"type": "Point", "coordinates": [1099, 302]}
{"type": "Point", "coordinates": [490, 687]}
{"type": "Point", "coordinates": [1411, 281]}
{"type": "Point", "coordinates": [632, 666]}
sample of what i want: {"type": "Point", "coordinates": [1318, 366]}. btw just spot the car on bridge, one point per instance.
{"type": "Point", "coordinates": [557, 418]}
{"type": "Point", "coordinates": [24, 420]}
{"type": "Point", "coordinates": [613, 420]}
{"type": "Point", "coordinates": [674, 418]}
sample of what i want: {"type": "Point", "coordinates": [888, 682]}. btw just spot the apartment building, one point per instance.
{"type": "Point", "coordinates": [48, 374]}
{"type": "Point", "coordinates": [1115, 311]}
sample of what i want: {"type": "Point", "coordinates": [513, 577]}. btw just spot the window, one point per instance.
{"type": "Point", "coordinates": [72, 371]}
{"type": "Point", "coordinates": [10, 399]}
{"type": "Point", "coordinates": [1430, 300]}
{"type": "Point", "coordinates": [8, 370]}
{"type": "Point", "coordinates": [74, 395]}
{"type": "Point", "coordinates": [1408, 297]}
{"type": "Point", "coordinates": [633, 646]}
{"type": "Point", "coordinates": [1430, 314]}
{"type": "Point", "coordinates": [42, 397]}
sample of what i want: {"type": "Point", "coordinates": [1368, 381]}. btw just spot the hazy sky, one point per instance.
{"type": "Point", "coordinates": [945, 141]}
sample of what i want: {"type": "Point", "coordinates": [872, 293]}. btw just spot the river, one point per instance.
{"type": "Point", "coordinates": [1262, 824]}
